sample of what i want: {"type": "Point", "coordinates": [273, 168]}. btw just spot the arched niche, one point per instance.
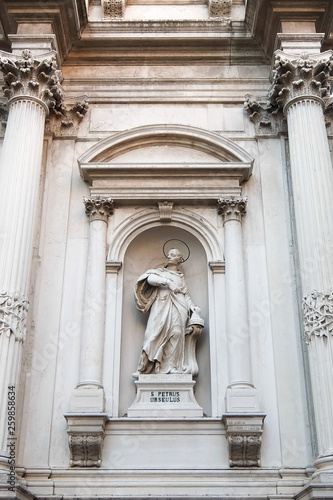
{"type": "Point", "coordinates": [145, 252]}
{"type": "Point", "coordinates": [190, 169]}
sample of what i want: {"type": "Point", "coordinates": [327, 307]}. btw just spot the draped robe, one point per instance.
{"type": "Point", "coordinates": [163, 347]}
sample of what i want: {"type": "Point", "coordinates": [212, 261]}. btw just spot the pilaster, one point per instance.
{"type": "Point", "coordinates": [88, 400]}
{"type": "Point", "coordinates": [242, 401]}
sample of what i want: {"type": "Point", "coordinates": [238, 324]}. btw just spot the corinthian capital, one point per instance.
{"type": "Point", "coordinates": [35, 77]}
{"type": "Point", "coordinates": [232, 208]}
{"type": "Point", "coordinates": [98, 208]}
{"type": "Point", "coordinates": [300, 75]}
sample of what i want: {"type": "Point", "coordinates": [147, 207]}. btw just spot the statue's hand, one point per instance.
{"type": "Point", "coordinates": [172, 286]}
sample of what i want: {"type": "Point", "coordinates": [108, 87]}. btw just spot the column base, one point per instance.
{"type": "Point", "coordinates": [86, 436]}
{"type": "Point", "coordinates": [243, 433]}
{"type": "Point", "coordinates": [165, 396]}
{"type": "Point", "coordinates": [87, 399]}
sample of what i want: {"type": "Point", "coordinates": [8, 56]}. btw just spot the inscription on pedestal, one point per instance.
{"type": "Point", "coordinates": [165, 397]}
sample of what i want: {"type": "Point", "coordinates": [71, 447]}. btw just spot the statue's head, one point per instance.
{"type": "Point", "coordinates": [175, 256]}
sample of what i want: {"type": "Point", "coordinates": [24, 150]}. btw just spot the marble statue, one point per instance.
{"type": "Point", "coordinates": [174, 321]}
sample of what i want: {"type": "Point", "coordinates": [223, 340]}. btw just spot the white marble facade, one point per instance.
{"type": "Point", "coordinates": [207, 123]}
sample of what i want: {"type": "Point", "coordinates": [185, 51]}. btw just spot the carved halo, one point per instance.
{"type": "Point", "coordinates": [181, 248]}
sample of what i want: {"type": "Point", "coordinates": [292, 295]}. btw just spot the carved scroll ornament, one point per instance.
{"type": "Point", "coordinates": [318, 314]}
{"type": "Point", "coordinates": [29, 76]}
{"type": "Point", "coordinates": [304, 75]}
{"type": "Point", "coordinates": [13, 314]}
{"type": "Point", "coordinates": [86, 449]}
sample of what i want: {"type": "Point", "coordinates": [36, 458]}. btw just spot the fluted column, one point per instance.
{"type": "Point", "coordinates": [299, 87]}
{"type": "Point", "coordinates": [89, 395]}
{"type": "Point", "coordinates": [31, 86]}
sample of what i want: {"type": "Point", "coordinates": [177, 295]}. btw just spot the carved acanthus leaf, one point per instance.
{"type": "Point", "coordinates": [220, 9]}
{"type": "Point", "coordinates": [267, 118]}
{"type": "Point", "coordinates": [304, 75]}
{"type": "Point", "coordinates": [66, 120]}
{"type": "Point", "coordinates": [318, 314]}
{"type": "Point", "coordinates": [98, 208]}
{"type": "Point", "coordinates": [30, 76]}
{"type": "Point", "coordinates": [232, 208]}
{"type": "Point", "coordinates": [13, 315]}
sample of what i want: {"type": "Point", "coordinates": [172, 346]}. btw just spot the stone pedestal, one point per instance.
{"type": "Point", "coordinates": [165, 396]}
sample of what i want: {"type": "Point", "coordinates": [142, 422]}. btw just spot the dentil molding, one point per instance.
{"type": "Point", "coordinates": [37, 78]}
{"type": "Point", "coordinates": [296, 76]}
{"type": "Point", "coordinates": [318, 314]}
{"type": "Point", "coordinates": [98, 208]}
{"type": "Point", "coordinates": [13, 315]}
{"type": "Point", "coordinates": [232, 208]}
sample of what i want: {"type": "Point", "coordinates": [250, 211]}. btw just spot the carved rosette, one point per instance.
{"type": "Point", "coordinates": [13, 315]}
{"type": "Point", "coordinates": [300, 76]}
{"type": "Point", "coordinates": [86, 449]}
{"type": "Point", "coordinates": [232, 208]}
{"type": "Point", "coordinates": [220, 9]}
{"type": "Point", "coordinates": [113, 9]}
{"type": "Point", "coordinates": [28, 76]}
{"type": "Point", "coordinates": [98, 208]}
{"type": "Point", "coordinates": [318, 314]}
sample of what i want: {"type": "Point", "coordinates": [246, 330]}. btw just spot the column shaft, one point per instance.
{"type": "Point", "coordinates": [236, 306]}
{"type": "Point", "coordinates": [19, 179]}
{"type": "Point", "coordinates": [91, 361]}
{"type": "Point", "coordinates": [312, 179]}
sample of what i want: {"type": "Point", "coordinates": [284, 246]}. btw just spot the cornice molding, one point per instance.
{"type": "Point", "coordinates": [66, 18]}
{"type": "Point", "coordinates": [264, 19]}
